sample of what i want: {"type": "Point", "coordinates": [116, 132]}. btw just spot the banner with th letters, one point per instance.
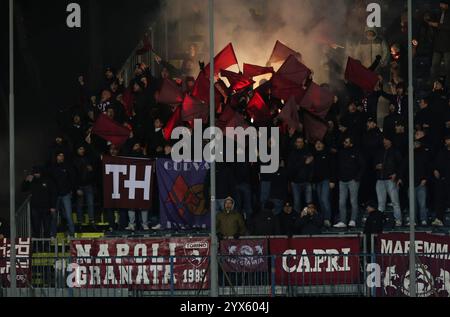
{"type": "Point", "coordinates": [183, 195]}
{"type": "Point", "coordinates": [127, 182]}
{"type": "Point", "coordinates": [432, 265]}
{"type": "Point", "coordinates": [150, 264]}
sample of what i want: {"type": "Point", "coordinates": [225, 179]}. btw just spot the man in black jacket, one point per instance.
{"type": "Point", "coordinates": [323, 179]}
{"type": "Point", "coordinates": [387, 166]}
{"type": "Point", "coordinates": [264, 223]}
{"type": "Point", "coordinates": [422, 173]}
{"type": "Point", "coordinates": [399, 100]}
{"type": "Point", "coordinates": [300, 171]}
{"type": "Point", "coordinates": [309, 222]}
{"type": "Point", "coordinates": [442, 175]}
{"type": "Point", "coordinates": [63, 176]}
{"type": "Point", "coordinates": [287, 220]}
{"type": "Point", "coordinates": [85, 179]}
{"type": "Point", "coordinates": [441, 42]}
{"type": "Point", "coordinates": [43, 201]}
{"type": "Point", "coordinates": [351, 167]}
{"type": "Point", "coordinates": [375, 221]}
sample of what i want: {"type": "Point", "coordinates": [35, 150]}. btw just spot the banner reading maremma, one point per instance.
{"type": "Point", "coordinates": [183, 195]}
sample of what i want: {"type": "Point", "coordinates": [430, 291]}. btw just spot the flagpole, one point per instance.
{"type": "Point", "coordinates": [212, 119]}
{"type": "Point", "coordinates": [412, 193]}
{"type": "Point", "coordinates": [12, 185]}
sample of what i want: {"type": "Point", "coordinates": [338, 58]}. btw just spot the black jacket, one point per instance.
{"type": "Point", "coordinates": [43, 192]}
{"type": "Point", "coordinates": [400, 102]}
{"type": "Point", "coordinates": [374, 223]}
{"type": "Point", "coordinates": [441, 42]}
{"type": "Point", "coordinates": [155, 140]}
{"type": "Point", "coordinates": [390, 159]}
{"type": "Point", "coordinates": [354, 122]}
{"type": "Point", "coordinates": [279, 184]}
{"type": "Point", "coordinates": [442, 164]}
{"type": "Point", "coordinates": [264, 223]}
{"type": "Point", "coordinates": [84, 177]}
{"type": "Point", "coordinates": [372, 141]}
{"type": "Point", "coordinates": [298, 171]}
{"type": "Point", "coordinates": [389, 123]}
{"type": "Point", "coordinates": [287, 223]}
{"type": "Point", "coordinates": [323, 166]}
{"type": "Point", "coordinates": [309, 225]}
{"type": "Point", "coordinates": [351, 165]}
{"type": "Point", "coordinates": [63, 176]}
{"type": "Point", "coordinates": [422, 166]}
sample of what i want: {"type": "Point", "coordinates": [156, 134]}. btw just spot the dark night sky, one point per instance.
{"type": "Point", "coordinates": [49, 58]}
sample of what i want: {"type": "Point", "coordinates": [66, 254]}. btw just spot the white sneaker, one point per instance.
{"type": "Point", "coordinates": [130, 227]}
{"type": "Point", "coordinates": [327, 223]}
{"type": "Point", "coordinates": [340, 225]}
{"type": "Point", "coordinates": [352, 224]}
{"type": "Point", "coordinates": [398, 223]}
{"type": "Point", "coordinates": [157, 227]}
{"type": "Point", "coordinates": [145, 227]}
{"type": "Point", "coordinates": [437, 223]}
{"type": "Point", "coordinates": [424, 223]}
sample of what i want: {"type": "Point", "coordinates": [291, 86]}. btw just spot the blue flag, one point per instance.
{"type": "Point", "coordinates": [183, 195]}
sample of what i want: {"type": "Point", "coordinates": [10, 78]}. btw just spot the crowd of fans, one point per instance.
{"type": "Point", "coordinates": [320, 183]}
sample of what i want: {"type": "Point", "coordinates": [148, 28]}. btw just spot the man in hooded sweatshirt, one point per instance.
{"type": "Point", "coordinates": [370, 47]}
{"type": "Point", "coordinates": [230, 223]}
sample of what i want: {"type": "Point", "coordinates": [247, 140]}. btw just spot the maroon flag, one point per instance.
{"type": "Point", "coordinates": [193, 108]}
{"type": "Point", "coordinates": [281, 52]}
{"type": "Point", "coordinates": [360, 76]}
{"type": "Point", "coordinates": [173, 122]}
{"type": "Point", "coordinates": [251, 71]}
{"type": "Point", "coordinates": [289, 114]}
{"type": "Point", "coordinates": [295, 71]}
{"type": "Point", "coordinates": [317, 100]}
{"type": "Point", "coordinates": [284, 89]}
{"type": "Point", "coordinates": [223, 60]}
{"type": "Point", "coordinates": [314, 127]}
{"type": "Point", "coordinates": [231, 119]}
{"type": "Point", "coordinates": [237, 81]}
{"type": "Point", "coordinates": [258, 110]}
{"type": "Point", "coordinates": [110, 130]}
{"type": "Point", "coordinates": [170, 93]}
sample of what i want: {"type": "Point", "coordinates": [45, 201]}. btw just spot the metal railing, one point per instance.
{"type": "Point", "coordinates": [23, 219]}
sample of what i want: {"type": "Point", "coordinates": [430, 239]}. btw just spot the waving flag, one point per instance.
{"type": "Point", "coordinates": [360, 76]}
{"type": "Point", "coordinates": [258, 109]}
{"type": "Point", "coordinates": [289, 114]}
{"type": "Point", "coordinates": [281, 52]}
{"type": "Point", "coordinates": [315, 128]}
{"type": "Point", "coordinates": [237, 81]}
{"type": "Point", "coordinates": [194, 108]}
{"type": "Point", "coordinates": [170, 93]}
{"type": "Point", "coordinates": [251, 71]}
{"type": "Point", "coordinates": [110, 130]}
{"type": "Point", "coordinates": [223, 60]}
{"type": "Point", "coordinates": [174, 121]}
{"type": "Point", "coordinates": [295, 71]}
{"type": "Point", "coordinates": [317, 100]}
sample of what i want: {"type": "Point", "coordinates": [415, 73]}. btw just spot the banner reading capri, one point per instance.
{"type": "Point", "coordinates": [183, 195]}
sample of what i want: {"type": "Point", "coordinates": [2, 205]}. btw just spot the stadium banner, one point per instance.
{"type": "Point", "coordinates": [246, 255]}
{"type": "Point", "coordinates": [183, 194]}
{"type": "Point", "coordinates": [23, 262]}
{"type": "Point", "coordinates": [392, 263]}
{"type": "Point", "coordinates": [145, 264]}
{"type": "Point", "coordinates": [316, 261]}
{"type": "Point", "coordinates": [127, 182]}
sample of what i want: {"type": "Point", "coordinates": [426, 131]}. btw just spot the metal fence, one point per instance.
{"type": "Point", "coordinates": [52, 275]}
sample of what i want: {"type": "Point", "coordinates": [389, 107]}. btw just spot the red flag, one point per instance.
{"type": "Point", "coordinates": [281, 52]}
{"type": "Point", "coordinates": [295, 71]}
{"type": "Point", "coordinates": [193, 108]}
{"type": "Point", "coordinates": [231, 119]}
{"type": "Point", "coordinates": [359, 75]}
{"type": "Point", "coordinates": [173, 122]}
{"type": "Point", "coordinates": [315, 128]}
{"type": "Point", "coordinates": [289, 114]}
{"type": "Point", "coordinates": [317, 100]}
{"type": "Point", "coordinates": [223, 60]}
{"type": "Point", "coordinates": [237, 81]}
{"type": "Point", "coordinates": [251, 71]}
{"type": "Point", "coordinates": [258, 110]}
{"type": "Point", "coordinates": [284, 89]}
{"type": "Point", "coordinates": [170, 93]}
{"type": "Point", "coordinates": [110, 130]}
{"type": "Point", "coordinates": [201, 88]}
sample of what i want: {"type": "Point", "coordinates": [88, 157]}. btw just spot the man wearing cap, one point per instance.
{"type": "Point", "coordinates": [375, 221]}
{"type": "Point", "coordinates": [442, 175]}
{"type": "Point", "coordinates": [43, 201]}
{"type": "Point", "coordinates": [387, 166]}
{"type": "Point", "coordinates": [441, 42]}
{"type": "Point", "coordinates": [287, 220]}
{"type": "Point", "coordinates": [229, 223]}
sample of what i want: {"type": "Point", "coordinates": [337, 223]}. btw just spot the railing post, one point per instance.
{"type": "Point", "coordinates": [172, 284]}
{"type": "Point", "coordinates": [272, 270]}
{"type": "Point", "coordinates": [28, 219]}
